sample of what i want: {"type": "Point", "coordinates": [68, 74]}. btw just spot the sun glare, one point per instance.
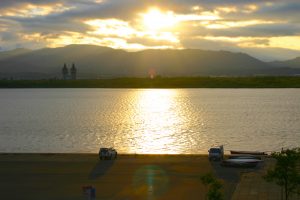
{"type": "Point", "coordinates": [155, 19]}
{"type": "Point", "coordinates": [157, 121]}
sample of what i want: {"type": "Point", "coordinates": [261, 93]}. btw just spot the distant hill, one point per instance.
{"type": "Point", "coordinates": [98, 62]}
{"type": "Point", "coordinates": [16, 52]}
{"type": "Point", "coordinates": [293, 63]}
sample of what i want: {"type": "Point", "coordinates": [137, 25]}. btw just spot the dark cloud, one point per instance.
{"type": "Point", "coordinates": [277, 10]}
{"type": "Point", "coordinates": [267, 30]}
{"type": "Point", "coordinates": [12, 3]}
{"type": "Point", "coordinates": [283, 9]}
{"type": "Point", "coordinates": [52, 24]}
{"type": "Point", "coordinates": [8, 36]}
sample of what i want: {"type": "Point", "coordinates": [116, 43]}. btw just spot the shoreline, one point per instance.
{"type": "Point", "coordinates": [93, 154]}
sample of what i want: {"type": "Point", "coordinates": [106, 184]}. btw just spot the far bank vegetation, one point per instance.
{"type": "Point", "coordinates": [160, 82]}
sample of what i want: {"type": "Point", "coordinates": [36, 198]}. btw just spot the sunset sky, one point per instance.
{"type": "Point", "coordinates": [264, 29]}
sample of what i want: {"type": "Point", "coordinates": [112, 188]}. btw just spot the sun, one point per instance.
{"type": "Point", "coordinates": [155, 19]}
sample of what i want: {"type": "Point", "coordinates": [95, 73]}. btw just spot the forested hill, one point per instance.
{"type": "Point", "coordinates": [102, 62]}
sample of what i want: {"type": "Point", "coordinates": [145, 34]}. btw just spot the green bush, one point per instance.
{"type": "Point", "coordinates": [214, 187]}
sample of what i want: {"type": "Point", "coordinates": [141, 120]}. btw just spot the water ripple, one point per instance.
{"type": "Point", "coordinates": [148, 120]}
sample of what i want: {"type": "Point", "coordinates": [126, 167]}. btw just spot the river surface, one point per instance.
{"type": "Point", "coordinates": [172, 121]}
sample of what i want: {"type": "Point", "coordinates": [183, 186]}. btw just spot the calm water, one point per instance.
{"type": "Point", "coordinates": [148, 121]}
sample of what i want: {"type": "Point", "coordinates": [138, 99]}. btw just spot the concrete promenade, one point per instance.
{"type": "Point", "coordinates": [151, 177]}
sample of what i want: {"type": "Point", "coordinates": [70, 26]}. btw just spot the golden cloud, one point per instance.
{"type": "Point", "coordinates": [286, 42]}
{"type": "Point", "coordinates": [114, 28]}
{"type": "Point", "coordinates": [111, 27]}
{"type": "Point", "coordinates": [67, 38]}
{"type": "Point", "coordinates": [232, 24]}
{"type": "Point", "coordinates": [227, 9]}
{"type": "Point", "coordinates": [250, 8]}
{"type": "Point", "coordinates": [31, 10]}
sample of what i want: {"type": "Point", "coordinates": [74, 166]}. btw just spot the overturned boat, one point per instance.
{"type": "Point", "coordinates": [258, 153]}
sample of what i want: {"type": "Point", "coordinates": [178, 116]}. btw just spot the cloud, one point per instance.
{"type": "Point", "coordinates": [32, 10]}
{"type": "Point", "coordinates": [206, 24]}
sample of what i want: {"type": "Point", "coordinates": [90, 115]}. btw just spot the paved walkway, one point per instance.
{"type": "Point", "coordinates": [253, 186]}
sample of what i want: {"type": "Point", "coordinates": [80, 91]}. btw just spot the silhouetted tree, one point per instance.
{"type": "Point", "coordinates": [73, 72]}
{"type": "Point", "coordinates": [65, 71]}
{"type": "Point", "coordinates": [285, 172]}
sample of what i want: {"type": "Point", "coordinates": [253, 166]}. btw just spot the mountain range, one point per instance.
{"type": "Point", "coordinates": [101, 62]}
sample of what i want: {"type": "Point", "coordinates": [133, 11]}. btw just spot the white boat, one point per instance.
{"type": "Point", "coordinates": [244, 156]}
{"type": "Point", "coordinates": [241, 162]}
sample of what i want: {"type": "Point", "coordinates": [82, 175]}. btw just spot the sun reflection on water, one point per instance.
{"type": "Point", "coordinates": [155, 119]}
